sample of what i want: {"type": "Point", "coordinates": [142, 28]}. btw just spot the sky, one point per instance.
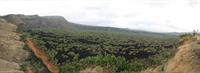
{"type": "Point", "coordinates": [148, 15]}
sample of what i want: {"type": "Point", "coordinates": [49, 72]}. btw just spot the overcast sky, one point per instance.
{"type": "Point", "coordinates": [149, 15]}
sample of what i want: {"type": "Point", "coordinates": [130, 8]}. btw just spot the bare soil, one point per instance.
{"type": "Point", "coordinates": [42, 56]}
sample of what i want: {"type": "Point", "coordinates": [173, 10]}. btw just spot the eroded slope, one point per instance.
{"type": "Point", "coordinates": [185, 60]}
{"type": "Point", "coordinates": [11, 49]}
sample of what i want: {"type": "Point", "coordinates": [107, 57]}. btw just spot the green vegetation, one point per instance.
{"type": "Point", "coordinates": [116, 63]}
{"type": "Point", "coordinates": [73, 51]}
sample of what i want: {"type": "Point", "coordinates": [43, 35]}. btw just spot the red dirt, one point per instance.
{"type": "Point", "coordinates": [42, 56]}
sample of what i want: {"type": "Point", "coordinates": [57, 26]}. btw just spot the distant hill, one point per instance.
{"type": "Point", "coordinates": [25, 22]}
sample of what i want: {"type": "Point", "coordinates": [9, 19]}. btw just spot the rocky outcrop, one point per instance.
{"type": "Point", "coordinates": [11, 48]}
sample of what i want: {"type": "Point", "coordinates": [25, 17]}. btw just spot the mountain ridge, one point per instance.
{"type": "Point", "coordinates": [27, 22]}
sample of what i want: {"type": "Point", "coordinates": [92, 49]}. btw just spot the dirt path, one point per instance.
{"type": "Point", "coordinates": [42, 56]}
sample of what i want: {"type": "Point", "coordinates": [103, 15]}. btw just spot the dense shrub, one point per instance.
{"type": "Point", "coordinates": [74, 51]}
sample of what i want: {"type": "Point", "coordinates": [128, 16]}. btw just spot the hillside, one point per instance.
{"type": "Point", "coordinates": [186, 59]}
{"type": "Point", "coordinates": [12, 53]}
{"type": "Point", "coordinates": [79, 48]}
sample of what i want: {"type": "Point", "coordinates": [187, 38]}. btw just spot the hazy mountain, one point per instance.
{"type": "Point", "coordinates": [58, 22]}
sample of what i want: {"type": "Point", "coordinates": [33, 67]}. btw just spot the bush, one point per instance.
{"type": "Point", "coordinates": [116, 63]}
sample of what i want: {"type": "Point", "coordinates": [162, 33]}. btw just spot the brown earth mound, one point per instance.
{"type": "Point", "coordinates": [186, 59]}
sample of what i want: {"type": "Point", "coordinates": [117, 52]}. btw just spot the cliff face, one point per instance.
{"type": "Point", "coordinates": [11, 48]}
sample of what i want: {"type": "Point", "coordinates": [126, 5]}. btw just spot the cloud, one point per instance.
{"type": "Point", "coordinates": [149, 15]}
{"type": "Point", "coordinates": [193, 3]}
